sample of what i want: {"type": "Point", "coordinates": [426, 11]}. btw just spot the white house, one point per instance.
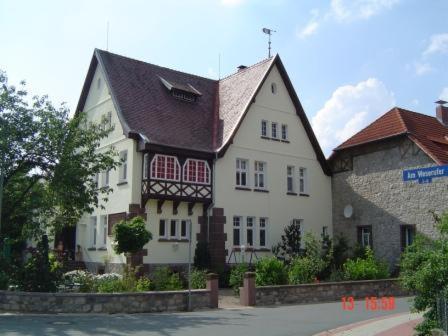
{"type": "Point", "coordinates": [237, 157]}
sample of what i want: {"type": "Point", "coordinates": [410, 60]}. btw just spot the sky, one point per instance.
{"type": "Point", "coordinates": [350, 61]}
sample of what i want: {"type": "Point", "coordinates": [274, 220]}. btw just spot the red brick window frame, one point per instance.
{"type": "Point", "coordinates": [196, 171]}
{"type": "Point", "coordinates": [165, 167]}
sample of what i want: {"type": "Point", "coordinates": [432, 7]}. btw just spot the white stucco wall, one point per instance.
{"type": "Point", "coordinates": [276, 205]}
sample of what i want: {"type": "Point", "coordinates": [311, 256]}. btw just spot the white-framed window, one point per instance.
{"type": "Point", "coordinates": [196, 171]}
{"type": "Point", "coordinates": [163, 232]}
{"type": "Point", "coordinates": [264, 128]}
{"type": "Point", "coordinates": [123, 170]}
{"type": "Point", "coordinates": [103, 228]}
{"type": "Point", "coordinates": [262, 227]}
{"type": "Point", "coordinates": [237, 230]}
{"type": "Point", "coordinates": [184, 228]}
{"type": "Point", "coordinates": [145, 166]}
{"type": "Point", "coordinates": [165, 167]}
{"type": "Point", "coordinates": [365, 235]}
{"type": "Point", "coordinates": [108, 120]}
{"type": "Point", "coordinates": [303, 180]}
{"type": "Point", "coordinates": [274, 130]}
{"type": "Point", "coordinates": [299, 222]}
{"type": "Point", "coordinates": [93, 231]}
{"type": "Point", "coordinates": [250, 231]}
{"type": "Point", "coordinates": [105, 178]}
{"type": "Point", "coordinates": [284, 132]}
{"type": "Point", "coordinates": [290, 185]}
{"type": "Point", "coordinates": [173, 229]}
{"type": "Point", "coordinates": [96, 179]}
{"type": "Point", "coordinates": [260, 175]}
{"type": "Point", "coordinates": [242, 170]}
{"type": "Point", "coordinates": [324, 231]}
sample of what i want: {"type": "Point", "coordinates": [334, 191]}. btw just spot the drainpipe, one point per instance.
{"type": "Point", "coordinates": [212, 204]}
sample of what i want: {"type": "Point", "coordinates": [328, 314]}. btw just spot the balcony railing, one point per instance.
{"type": "Point", "coordinates": [173, 190]}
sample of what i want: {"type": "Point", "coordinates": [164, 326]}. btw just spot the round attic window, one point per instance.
{"type": "Point", "coordinates": [274, 88]}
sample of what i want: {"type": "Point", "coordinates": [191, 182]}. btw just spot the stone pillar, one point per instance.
{"type": "Point", "coordinates": [247, 292]}
{"type": "Point", "coordinates": [212, 286]}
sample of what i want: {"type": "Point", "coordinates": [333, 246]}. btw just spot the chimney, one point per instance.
{"type": "Point", "coordinates": [442, 112]}
{"type": "Point", "coordinates": [241, 67]}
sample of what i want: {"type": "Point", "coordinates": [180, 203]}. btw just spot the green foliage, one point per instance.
{"type": "Point", "coordinates": [143, 285]}
{"type": "Point", "coordinates": [424, 271]}
{"type": "Point", "coordinates": [365, 268]}
{"type": "Point", "coordinates": [237, 276]}
{"type": "Point", "coordinates": [202, 255]}
{"type": "Point", "coordinates": [38, 275]}
{"type": "Point", "coordinates": [164, 279]}
{"type": "Point", "coordinates": [131, 235]}
{"type": "Point", "coordinates": [49, 162]}
{"type": "Point", "coordinates": [290, 245]}
{"type": "Point", "coordinates": [198, 279]}
{"type": "Point", "coordinates": [4, 280]}
{"type": "Point", "coordinates": [305, 269]}
{"type": "Point", "coordinates": [341, 252]}
{"type": "Point", "coordinates": [112, 286]}
{"type": "Point", "coordinates": [270, 271]}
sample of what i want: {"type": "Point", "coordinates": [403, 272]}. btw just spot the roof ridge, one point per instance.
{"type": "Point", "coordinates": [248, 68]}
{"type": "Point", "coordinates": [401, 119]}
{"type": "Point", "coordinates": [156, 65]}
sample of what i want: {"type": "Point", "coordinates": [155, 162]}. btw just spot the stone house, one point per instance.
{"type": "Point", "coordinates": [235, 158]}
{"type": "Point", "coordinates": [372, 204]}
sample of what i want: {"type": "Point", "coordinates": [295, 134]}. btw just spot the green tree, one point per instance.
{"type": "Point", "coordinates": [290, 245]}
{"type": "Point", "coordinates": [424, 271]}
{"type": "Point", "coordinates": [131, 235]}
{"type": "Point", "coordinates": [48, 164]}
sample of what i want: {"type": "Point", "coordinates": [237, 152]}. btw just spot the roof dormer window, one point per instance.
{"type": "Point", "coordinates": [185, 92]}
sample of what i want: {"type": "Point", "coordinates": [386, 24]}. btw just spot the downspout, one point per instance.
{"type": "Point", "coordinates": [212, 204]}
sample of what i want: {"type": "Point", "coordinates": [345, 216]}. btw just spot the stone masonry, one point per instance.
{"type": "Point", "coordinates": [372, 183]}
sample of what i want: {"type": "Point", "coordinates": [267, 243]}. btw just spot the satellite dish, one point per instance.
{"type": "Point", "coordinates": [348, 211]}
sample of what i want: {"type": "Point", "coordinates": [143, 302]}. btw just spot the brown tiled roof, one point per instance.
{"type": "Point", "coordinates": [148, 111]}
{"type": "Point", "coordinates": [426, 131]}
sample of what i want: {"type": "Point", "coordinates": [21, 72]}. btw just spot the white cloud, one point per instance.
{"type": "Point", "coordinates": [348, 10]}
{"type": "Point", "coordinates": [350, 108]}
{"type": "Point", "coordinates": [211, 73]}
{"type": "Point", "coordinates": [309, 29]}
{"type": "Point", "coordinates": [231, 2]}
{"type": "Point", "coordinates": [438, 44]}
{"type": "Point", "coordinates": [444, 94]}
{"type": "Point", "coordinates": [422, 68]}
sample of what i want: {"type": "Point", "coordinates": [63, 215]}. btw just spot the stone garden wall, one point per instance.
{"type": "Point", "coordinates": [144, 302]}
{"type": "Point", "coordinates": [326, 292]}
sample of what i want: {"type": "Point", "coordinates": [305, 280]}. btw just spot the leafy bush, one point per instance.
{"type": "Point", "coordinates": [38, 275]}
{"type": "Point", "coordinates": [202, 255]}
{"type": "Point", "coordinates": [112, 286]}
{"type": "Point", "coordinates": [164, 279]}
{"type": "Point", "coordinates": [237, 277]}
{"type": "Point", "coordinates": [306, 269]}
{"type": "Point", "coordinates": [424, 271]}
{"type": "Point", "coordinates": [270, 271]}
{"type": "Point", "coordinates": [4, 280]}
{"type": "Point", "coordinates": [131, 236]}
{"type": "Point", "coordinates": [303, 270]}
{"type": "Point", "coordinates": [198, 279]}
{"type": "Point", "coordinates": [143, 285]}
{"type": "Point", "coordinates": [366, 268]}
{"type": "Point", "coordinates": [290, 245]}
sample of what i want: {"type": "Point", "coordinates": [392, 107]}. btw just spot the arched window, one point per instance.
{"type": "Point", "coordinates": [196, 171]}
{"type": "Point", "coordinates": [165, 167]}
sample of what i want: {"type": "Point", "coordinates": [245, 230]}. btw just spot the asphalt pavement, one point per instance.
{"type": "Point", "coordinates": [297, 320]}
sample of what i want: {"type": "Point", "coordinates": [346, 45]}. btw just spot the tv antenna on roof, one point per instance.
{"type": "Point", "coordinates": [269, 32]}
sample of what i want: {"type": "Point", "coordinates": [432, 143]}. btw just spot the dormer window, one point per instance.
{"type": "Point", "coordinates": [185, 92]}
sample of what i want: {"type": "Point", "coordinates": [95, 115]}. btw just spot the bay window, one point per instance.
{"type": "Point", "coordinates": [165, 167]}
{"type": "Point", "coordinates": [196, 171]}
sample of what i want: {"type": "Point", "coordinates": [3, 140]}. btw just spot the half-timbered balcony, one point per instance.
{"type": "Point", "coordinates": [167, 177]}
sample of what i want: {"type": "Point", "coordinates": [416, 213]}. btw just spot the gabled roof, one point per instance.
{"type": "Point", "coordinates": [426, 131]}
{"type": "Point", "coordinates": [142, 97]}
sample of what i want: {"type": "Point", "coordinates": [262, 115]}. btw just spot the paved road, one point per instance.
{"type": "Point", "coordinates": [298, 320]}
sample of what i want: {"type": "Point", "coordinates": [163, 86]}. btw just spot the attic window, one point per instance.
{"type": "Point", "coordinates": [185, 92]}
{"type": "Point", "coordinates": [182, 95]}
{"type": "Point", "coordinates": [274, 88]}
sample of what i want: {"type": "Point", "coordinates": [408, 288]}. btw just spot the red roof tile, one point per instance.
{"type": "Point", "coordinates": [426, 131]}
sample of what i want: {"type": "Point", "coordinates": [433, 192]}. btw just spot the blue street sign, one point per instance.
{"type": "Point", "coordinates": [425, 175]}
